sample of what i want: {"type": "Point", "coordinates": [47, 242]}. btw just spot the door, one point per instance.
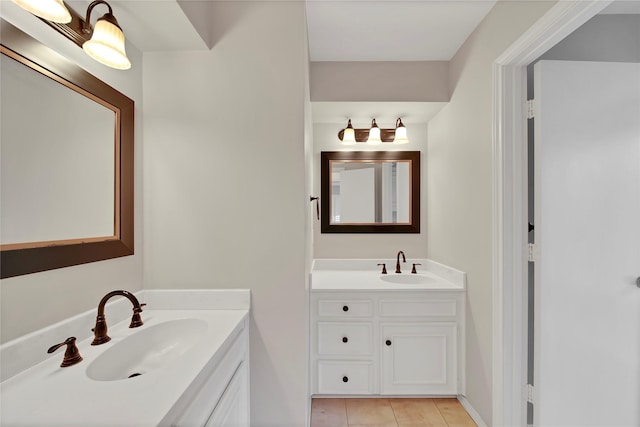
{"type": "Point", "coordinates": [419, 358]}
{"type": "Point", "coordinates": [587, 219]}
{"type": "Point", "coordinates": [358, 195]}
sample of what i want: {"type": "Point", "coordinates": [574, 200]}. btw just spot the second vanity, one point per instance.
{"type": "Point", "coordinates": [187, 365]}
{"type": "Point", "coordinates": [387, 334]}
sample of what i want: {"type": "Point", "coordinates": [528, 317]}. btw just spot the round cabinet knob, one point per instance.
{"type": "Point", "coordinates": [345, 379]}
{"type": "Point", "coordinates": [345, 308]}
{"type": "Point", "coordinates": [345, 339]}
{"type": "Point", "coordinates": [388, 342]}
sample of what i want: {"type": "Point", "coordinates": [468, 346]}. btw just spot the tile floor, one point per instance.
{"type": "Point", "coordinates": [411, 412]}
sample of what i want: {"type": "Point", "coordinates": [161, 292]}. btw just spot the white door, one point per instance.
{"type": "Point", "coordinates": [587, 218]}
{"type": "Point", "coordinates": [358, 196]}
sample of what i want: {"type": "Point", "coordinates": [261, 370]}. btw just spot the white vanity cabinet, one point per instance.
{"type": "Point", "coordinates": [406, 342]}
{"type": "Point", "coordinates": [221, 397]}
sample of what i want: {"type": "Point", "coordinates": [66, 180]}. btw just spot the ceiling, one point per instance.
{"type": "Point", "coordinates": [339, 30]}
{"type": "Point", "coordinates": [391, 30]}
{"type": "Point", "coordinates": [150, 25]}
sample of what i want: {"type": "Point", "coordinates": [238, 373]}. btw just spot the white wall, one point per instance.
{"type": "Point", "coordinates": [33, 301]}
{"type": "Point", "coordinates": [225, 194]}
{"type": "Point", "coordinates": [611, 38]}
{"type": "Point", "coordinates": [460, 181]}
{"type": "Point", "coordinates": [339, 245]}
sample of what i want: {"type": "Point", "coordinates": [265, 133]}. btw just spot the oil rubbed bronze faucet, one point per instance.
{"type": "Point", "coordinates": [398, 261]}
{"type": "Point", "coordinates": [71, 354]}
{"type": "Point", "coordinates": [100, 330]}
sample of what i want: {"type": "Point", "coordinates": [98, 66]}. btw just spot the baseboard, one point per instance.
{"type": "Point", "coordinates": [472, 412]}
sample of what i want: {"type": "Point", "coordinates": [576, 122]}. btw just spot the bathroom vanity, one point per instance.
{"type": "Point", "coordinates": [386, 334]}
{"type": "Point", "coordinates": [187, 365]}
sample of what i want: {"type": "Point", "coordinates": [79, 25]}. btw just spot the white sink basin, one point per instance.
{"type": "Point", "coordinates": [365, 274]}
{"type": "Point", "coordinates": [408, 279]}
{"type": "Point", "coordinates": [146, 350]}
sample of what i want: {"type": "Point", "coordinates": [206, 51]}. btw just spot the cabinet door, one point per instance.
{"type": "Point", "coordinates": [419, 358]}
{"type": "Point", "coordinates": [233, 408]}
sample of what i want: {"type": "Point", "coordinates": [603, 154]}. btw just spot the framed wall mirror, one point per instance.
{"type": "Point", "coordinates": [370, 191]}
{"type": "Point", "coordinates": [66, 155]}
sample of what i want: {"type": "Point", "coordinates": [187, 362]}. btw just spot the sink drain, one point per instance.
{"type": "Point", "coordinates": [134, 375]}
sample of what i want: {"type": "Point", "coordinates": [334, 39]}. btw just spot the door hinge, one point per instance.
{"type": "Point", "coordinates": [532, 254]}
{"type": "Point", "coordinates": [530, 393]}
{"type": "Point", "coordinates": [531, 112]}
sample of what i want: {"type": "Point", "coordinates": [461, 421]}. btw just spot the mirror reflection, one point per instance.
{"type": "Point", "coordinates": [367, 192]}
{"type": "Point", "coordinates": [370, 191]}
{"type": "Point", "coordinates": [57, 160]}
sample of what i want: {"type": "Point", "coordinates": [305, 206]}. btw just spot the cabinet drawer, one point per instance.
{"type": "Point", "coordinates": [418, 308]}
{"type": "Point", "coordinates": [340, 339]}
{"type": "Point", "coordinates": [345, 308]}
{"type": "Point", "coordinates": [345, 377]}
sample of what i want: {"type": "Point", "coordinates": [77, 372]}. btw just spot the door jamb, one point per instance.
{"type": "Point", "coordinates": [509, 246]}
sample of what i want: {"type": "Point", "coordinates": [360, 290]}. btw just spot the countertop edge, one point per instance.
{"type": "Point", "coordinates": [26, 351]}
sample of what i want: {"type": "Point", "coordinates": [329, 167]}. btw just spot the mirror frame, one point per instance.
{"type": "Point", "coordinates": [25, 260]}
{"type": "Point", "coordinates": [326, 157]}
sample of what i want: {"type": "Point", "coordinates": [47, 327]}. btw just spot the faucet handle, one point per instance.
{"type": "Point", "coordinates": [384, 268]}
{"type": "Point", "coordinates": [136, 320]}
{"type": "Point", "coordinates": [71, 355]}
{"type": "Point", "coordinates": [413, 270]}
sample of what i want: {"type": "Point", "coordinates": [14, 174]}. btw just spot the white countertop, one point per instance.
{"type": "Point", "coordinates": [365, 275]}
{"type": "Point", "coordinates": [48, 395]}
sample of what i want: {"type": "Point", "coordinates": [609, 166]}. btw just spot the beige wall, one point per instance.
{"type": "Point", "coordinates": [384, 246]}
{"type": "Point", "coordinates": [225, 186]}
{"type": "Point", "coordinates": [460, 154]}
{"type": "Point", "coordinates": [418, 81]}
{"type": "Point", "coordinates": [34, 301]}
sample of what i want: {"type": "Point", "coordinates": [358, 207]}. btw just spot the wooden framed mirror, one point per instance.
{"type": "Point", "coordinates": [370, 191]}
{"type": "Point", "coordinates": [67, 162]}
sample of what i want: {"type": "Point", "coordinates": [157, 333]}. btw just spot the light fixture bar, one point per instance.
{"type": "Point", "coordinates": [398, 135]}
{"type": "Point", "coordinates": [386, 135]}
{"type": "Point", "coordinates": [72, 30]}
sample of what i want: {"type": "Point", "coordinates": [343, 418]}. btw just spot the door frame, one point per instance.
{"type": "Point", "coordinates": [509, 199]}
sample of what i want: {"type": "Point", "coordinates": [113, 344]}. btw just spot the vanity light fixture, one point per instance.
{"type": "Point", "coordinates": [401, 133]}
{"type": "Point", "coordinates": [51, 10]}
{"type": "Point", "coordinates": [374, 135]}
{"type": "Point", "coordinates": [348, 135]}
{"type": "Point", "coordinates": [104, 42]}
{"type": "Point", "coordinates": [107, 39]}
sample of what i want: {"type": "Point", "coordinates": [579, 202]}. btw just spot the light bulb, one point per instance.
{"type": "Point", "coordinates": [401, 133]}
{"type": "Point", "coordinates": [374, 134]}
{"type": "Point", "coordinates": [107, 44]}
{"type": "Point", "coordinates": [348, 135]}
{"type": "Point", "coordinates": [51, 10]}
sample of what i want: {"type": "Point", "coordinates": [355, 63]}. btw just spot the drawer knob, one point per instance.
{"type": "Point", "coordinates": [345, 308]}
{"type": "Point", "coordinates": [345, 339]}
{"type": "Point", "coordinates": [345, 379]}
{"type": "Point", "coordinates": [388, 342]}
